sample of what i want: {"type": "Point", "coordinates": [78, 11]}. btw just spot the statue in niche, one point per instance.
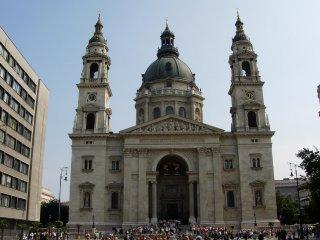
{"type": "Point", "coordinates": [258, 198]}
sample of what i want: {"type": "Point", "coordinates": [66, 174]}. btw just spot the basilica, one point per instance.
{"type": "Point", "coordinates": [171, 165]}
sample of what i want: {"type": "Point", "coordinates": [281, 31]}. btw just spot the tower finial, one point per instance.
{"type": "Point", "coordinates": [167, 24]}
{"type": "Point", "coordinates": [238, 16]}
{"type": "Point", "coordinates": [99, 13]}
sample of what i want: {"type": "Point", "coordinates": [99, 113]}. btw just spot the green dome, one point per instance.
{"type": "Point", "coordinates": [168, 66]}
{"type": "Point", "coordinates": [97, 38]}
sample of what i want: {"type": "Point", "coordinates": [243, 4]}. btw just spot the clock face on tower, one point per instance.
{"type": "Point", "coordinates": [92, 97]}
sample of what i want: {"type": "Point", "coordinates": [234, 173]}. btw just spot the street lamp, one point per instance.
{"type": "Point", "coordinates": [298, 192]}
{"type": "Point", "coordinates": [64, 177]}
{"type": "Point", "coordinates": [255, 219]}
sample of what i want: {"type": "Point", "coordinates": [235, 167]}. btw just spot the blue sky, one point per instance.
{"type": "Point", "coordinates": [53, 35]}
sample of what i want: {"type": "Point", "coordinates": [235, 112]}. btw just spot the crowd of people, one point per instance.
{"type": "Point", "coordinates": [173, 230]}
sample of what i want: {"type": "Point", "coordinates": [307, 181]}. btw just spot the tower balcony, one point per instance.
{"type": "Point", "coordinates": [168, 92]}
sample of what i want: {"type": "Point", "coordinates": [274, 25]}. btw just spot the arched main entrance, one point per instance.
{"type": "Point", "coordinates": [172, 189]}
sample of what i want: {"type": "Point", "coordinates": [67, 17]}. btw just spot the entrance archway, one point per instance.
{"type": "Point", "coordinates": [172, 189]}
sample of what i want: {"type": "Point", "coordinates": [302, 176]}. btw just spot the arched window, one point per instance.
{"type": "Point", "coordinates": [246, 68]}
{"type": "Point", "coordinates": [182, 112]}
{"type": "Point", "coordinates": [230, 199]}
{"type": "Point", "coordinates": [86, 200]}
{"type": "Point", "coordinates": [94, 68]}
{"type": "Point", "coordinates": [114, 200]}
{"type": "Point", "coordinates": [141, 116]}
{"type": "Point", "coordinates": [156, 112]}
{"type": "Point", "coordinates": [197, 114]}
{"type": "Point", "coordinates": [169, 110]}
{"type": "Point", "coordinates": [90, 121]}
{"type": "Point", "coordinates": [252, 119]}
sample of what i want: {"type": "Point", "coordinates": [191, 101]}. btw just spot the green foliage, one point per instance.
{"type": "Point", "coordinates": [58, 224]}
{"type": "Point", "coordinates": [49, 212]}
{"type": "Point", "coordinates": [311, 165]}
{"type": "Point", "coordinates": [287, 208]}
{"type": "Point", "coordinates": [3, 224]}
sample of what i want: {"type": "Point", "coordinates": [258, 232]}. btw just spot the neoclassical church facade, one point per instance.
{"type": "Point", "coordinates": [171, 165]}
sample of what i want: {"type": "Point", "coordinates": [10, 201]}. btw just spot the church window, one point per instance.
{"type": "Point", "coordinates": [256, 162]}
{"type": "Point", "coordinates": [87, 164]}
{"type": "Point", "coordinates": [246, 69]}
{"type": "Point", "coordinates": [169, 110]}
{"type": "Point", "coordinates": [156, 112]}
{"type": "Point", "coordinates": [94, 70]}
{"type": "Point", "coordinates": [114, 200]}
{"type": "Point", "coordinates": [115, 165]}
{"type": "Point", "coordinates": [228, 164]}
{"type": "Point", "coordinates": [230, 199]}
{"type": "Point", "coordinates": [182, 112]}
{"type": "Point", "coordinates": [90, 121]}
{"type": "Point", "coordinates": [86, 200]}
{"type": "Point", "coordinates": [252, 119]}
{"type": "Point", "coordinates": [258, 197]}
{"type": "Point", "coordinates": [168, 84]}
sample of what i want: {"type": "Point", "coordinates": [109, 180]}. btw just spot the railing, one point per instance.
{"type": "Point", "coordinates": [169, 91]}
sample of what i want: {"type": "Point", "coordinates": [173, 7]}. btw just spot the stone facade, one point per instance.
{"type": "Point", "coordinates": [171, 164]}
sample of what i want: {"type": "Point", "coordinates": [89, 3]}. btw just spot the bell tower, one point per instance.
{"type": "Point", "coordinates": [248, 109]}
{"type": "Point", "coordinates": [93, 111]}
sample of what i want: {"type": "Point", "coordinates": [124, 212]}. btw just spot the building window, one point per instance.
{"type": "Point", "coordinates": [255, 161]}
{"type": "Point", "coordinates": [90, 121]}
{"type": "Point", "coordinates": [5, 200]}
{"type": "Point", "coordinates": [228, 164]}
{"type": "Point", "coordinates": [169, 110]}
{"type": "Point", "coordinates": [2, 136]}
{"type": "Point", "coordinates": [258, 201]}
{"type": "Point", "coordinates": [168, 84]}
{"type": "Point", "coordinates": [230, 199]}
{"type": "Point", "coordinates": [87, 164]}
{"type": "Point", "coordinates": [94, 69]}
{"type": "Point", "coordinates": [114, 200]}
{"type": "Point", "coordinates": [182, 112]}
{"type": "Point", "coordinates": [156, 112]}
{"type": "Point", "coordinates": [86, 200]}
{"type": "Point", "coordinates": [115, 165]}
{"type": "Point", "coordinates": [252, 119]}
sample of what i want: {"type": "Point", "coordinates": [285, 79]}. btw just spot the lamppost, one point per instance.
{"type": "Point", "coordinates": [298, 192]}
{"type": "Point", "coordinates": [63, 176]}
{"type": "Point", "coordinates": [93, 227]}
{"type": "Point", "coordinates": [255, 219]}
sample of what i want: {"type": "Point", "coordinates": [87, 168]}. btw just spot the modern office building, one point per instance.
{"type": "Point", "coordinates": [23, 113]}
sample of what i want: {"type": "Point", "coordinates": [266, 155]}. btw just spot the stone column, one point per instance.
{"type": "Point", "coordinates": [154, 218]}
{"type": "Point", "coordinates": [143, 202]}
{"type": "Point", "coordinates": [192, 219]}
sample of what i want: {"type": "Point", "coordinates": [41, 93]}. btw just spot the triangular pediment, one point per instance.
{"type": "Point", "coordinates": [171, 124]}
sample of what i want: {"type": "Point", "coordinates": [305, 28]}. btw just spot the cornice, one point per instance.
{"type": "Point", "coordinates": [250, 83]}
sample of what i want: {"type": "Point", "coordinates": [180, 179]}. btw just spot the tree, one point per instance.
{"type": "Point", "coordinates": [58, 225]}
{"type": "Point", "coordinates": [287, 209]}
{"type": "Point", "coordinates": [35, 227]}
{"type": "Point", "coordinates": [22, 226]}
{"type": "Point", "coordinates": [3, 225]}
{"type": "Point", "coordinates": [49, 212]}
{"type": "Point", "coordinates": [311, 165]}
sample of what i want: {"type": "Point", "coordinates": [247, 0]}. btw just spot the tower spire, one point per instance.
{"type": "Point", "coordinates": [240, 34]}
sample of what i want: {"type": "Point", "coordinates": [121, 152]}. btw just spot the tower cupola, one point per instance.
{"type": "Point", "coordinates": [167, 43]}
{"type": "Point", "coordinates": [240, 34]}
{"type": "Point", "coordinates": [98, 35]}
